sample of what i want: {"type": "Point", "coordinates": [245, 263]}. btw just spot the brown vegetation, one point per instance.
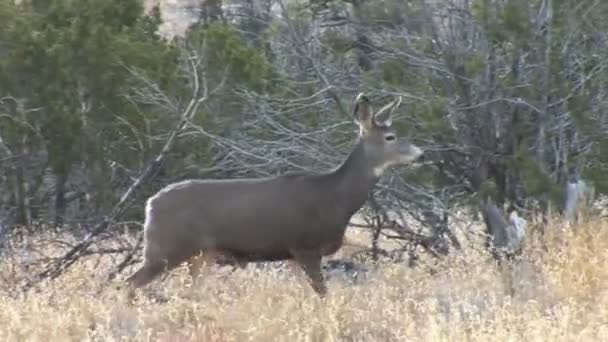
{"type": "Point", "coordinates": [558, 292]}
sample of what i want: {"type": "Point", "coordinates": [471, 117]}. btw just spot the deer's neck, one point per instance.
{"type": "Point", "coordinates": [354, 179]}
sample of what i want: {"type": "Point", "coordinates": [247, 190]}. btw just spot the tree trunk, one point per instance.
{"type": "Point", "coordinates": [578, 196]}
{"type": "Point", "coordinates": [61, 179]}
{"type": "Point", "coordinates": [211, 11]}
{"type": "Point", "coordinates": [24, 216]}
{"type": "Point", "coordinates": [505, 237]}
{"type": "Point", "coordinates": [546, 79]}
{"type": "Point", "coordinates": [362, 43]}
{"type": "Point", "coordinates": [21, 184]}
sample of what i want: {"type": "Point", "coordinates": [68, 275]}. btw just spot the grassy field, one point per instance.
{"type": "Point", "coordinates": [558, 291]}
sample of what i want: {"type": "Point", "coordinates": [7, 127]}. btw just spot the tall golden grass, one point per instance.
{"type": "Point", "coordinates": [556, 291]}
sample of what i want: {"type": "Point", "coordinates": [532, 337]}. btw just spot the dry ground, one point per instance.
{"type": "Point", "coordinates": [558, 292]}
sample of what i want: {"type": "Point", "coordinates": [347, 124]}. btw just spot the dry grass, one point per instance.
{"type": "Point", "coordinates": [555, 295]}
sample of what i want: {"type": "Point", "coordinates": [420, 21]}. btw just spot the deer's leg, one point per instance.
{"type": "Point", "coordinates": [293, 265]}
{"type": "Point", "coordinates": [240, 263]}
{"type": "Point", "coordinates": [234, 261]}
{"type": "Point", "coordinates": [143, 276]}
{"type": "Point", "coordinates": [310, 262]}
{"type": "Point", "coordinates": [237, 263]}
{"type": "Point", "coordinates": [199, 262]}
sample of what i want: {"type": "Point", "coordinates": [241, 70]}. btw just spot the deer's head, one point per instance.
{"type": "Point", "coordinates": [381, 145]}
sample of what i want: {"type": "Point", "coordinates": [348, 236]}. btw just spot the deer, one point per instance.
{"type": "Point", "coordinates": [299, 218]}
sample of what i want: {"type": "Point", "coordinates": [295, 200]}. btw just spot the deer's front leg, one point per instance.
{"type": "Point", "coordinates": [199, 262]}
{"type": "Point", "coordinates": [310, 262]}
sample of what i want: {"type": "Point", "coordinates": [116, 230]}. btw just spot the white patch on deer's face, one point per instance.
{"type": "Point", "coordinates": [410, 155]}
{"type": "Point", "coordinates": [379, 170]}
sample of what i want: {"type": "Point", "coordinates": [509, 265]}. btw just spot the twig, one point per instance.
{"type": "Point", "coordinates": [127, 260]}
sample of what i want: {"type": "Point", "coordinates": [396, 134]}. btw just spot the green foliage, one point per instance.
{"type": "Point", "coordinates": [227, 58]}
{"type": "Point", "coordinates": [488, 190]}
{"type": "Point", "coordinates": [535, 180]}
{"type": "Point", "coordinates": [225, 51]}
{"type": "Point", "coordinates": [393, 72]}
{"type": "Point", "coordinates": [515, 18]}
{"type": "Point", "coordinates": [506, 24]}
{"type": "Point", "coordinates": [578, 105]}
{"type": "Point", "coordinates": [337, 43]}
{"type": "Point", "coordinates": [69, 59]}
{"type": "Point", "coordinates": [392, 12]}
{"type": "Point", "coordinates": [432, 114]}
{"type": "Point", "coordinates": [474, 65]}
{"type": "Point", "coordinates": [76, 52]}
{"type": "Point", "coordinates": [597, 171]}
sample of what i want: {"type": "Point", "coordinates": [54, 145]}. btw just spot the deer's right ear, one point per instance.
{"type": "Point", "coordinates": [362, 111]}
{"type": "Point", "coordinates": [383, 115]}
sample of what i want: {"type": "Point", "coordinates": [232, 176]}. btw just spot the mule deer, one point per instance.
{"type": "Point", "coordinates": [300, 218]}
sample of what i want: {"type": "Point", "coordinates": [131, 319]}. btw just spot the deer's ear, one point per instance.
{"type": "Point", "coordinates": [362, 111]}
{"type": "Point", "coordinates": [383, 116]}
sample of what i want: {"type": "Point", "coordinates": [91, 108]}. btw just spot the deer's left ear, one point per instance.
{"type": "Point", "coordinates": [362, 111]}
{"type": "Point", "coordinates": [383, 116]}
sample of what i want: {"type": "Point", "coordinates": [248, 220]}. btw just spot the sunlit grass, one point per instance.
{"type": "Point", "coordinates": [557, 291]}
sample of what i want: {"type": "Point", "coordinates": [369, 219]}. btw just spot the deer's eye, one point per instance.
{"type": "Point", "coordinates": [389, 137]}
